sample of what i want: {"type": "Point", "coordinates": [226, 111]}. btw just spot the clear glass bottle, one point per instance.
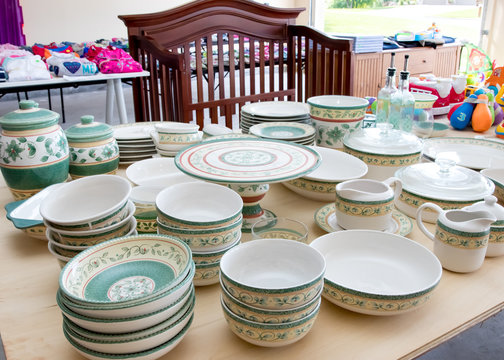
{"type": "Point", "coordinates": [383, 101]}
{"type": "Point", "coordinates": [407, 103]}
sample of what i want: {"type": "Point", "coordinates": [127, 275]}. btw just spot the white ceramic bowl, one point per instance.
{"type": "Point", "coordinates": [266, 334]}
{"type": "Point", "coordinates": [126, 270]}
{"type": "Point", "coordinates": [87, 203]}
{"type": "Point", "coordinates": [132, 342]}
{"type": "Point", "coordinates": [170, 300]}
{"type": "Point", "coordinates": [377, 273]}
{"type": "Point", "coordinates": [336, 166]}
{"type": "Point", "coordinates": [280, 274]}
{"type": "Point", "coordinates": [160, 172]}
{"type": "Point", "coordinates": [198, 205]}
{"type": "Point", "coordinates": [206, 274]}
{"type": "Point", "coordinates": [176, 127]}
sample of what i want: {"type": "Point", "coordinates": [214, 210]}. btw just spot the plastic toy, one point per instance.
{"type": "Point", "coordinates": [461, 117]}
{"type": "Point", "coordinates": [481, 119]}
{"type": "Point", "coordinates": [499, 131]}
{"type": "Point", "coordinates": [495, 81]}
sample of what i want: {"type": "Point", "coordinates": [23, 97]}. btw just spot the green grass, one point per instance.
{"type": "Point", "coordinates": [462, 14]}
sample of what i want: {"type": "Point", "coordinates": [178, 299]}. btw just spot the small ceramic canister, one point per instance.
{"type": "Point", "coordinates": [461, 238]}
{"type": "Point", "coordinates": [33, 150]}
{"type": "Point", "coordinates": [496, 239]}
{"type": "Point", "coordinates": [93, 149]}
{"type": "Point", "coordinates": [366, 203]}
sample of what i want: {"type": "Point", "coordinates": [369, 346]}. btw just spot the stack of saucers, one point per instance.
{"type": "Point", "coordinates": [85, 212]}
{"type": "Point", "coordinates": [129, 297]}
{"type": "Point", "coordinates": [135, 142]}
{"type": "Point", "coordinates": [303, 134]}
{"type": "Point", "coordinates": [275, 301]}
{"type": "Point", "coordinates": [269, 111]}
{"type": "Point", "coordinates": [207, 217]}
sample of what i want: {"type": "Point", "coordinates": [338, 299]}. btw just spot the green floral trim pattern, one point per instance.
{"type": "Point", "coordinates": [205, 241]}
{"type": "Point", "coordinates": [146, 226]}
{"type": "Point", "coordinates": [416, 201]}
{"type": "Point", "coordinates": [356, 208]}
{"type": "Point", "coordinates": [367, 305]}
{"type": "Point", "coordinates": [207, 273]}
{"type": "Point", "coordinates": [94, 155]}
{"type": "Point", "coordinates": [338, 114]}
{"type": "Point", "coordinates": [34, 150]}
{"type": "Point", "coordinates": [23, 194]}
{"type": "Point", "coordinates": [496, 235]}
{"type": "Point", "coordinates": [131, 288]}
{"type": "Point", "coordinates": [313, 185]}
{"type": "Point", "coordinates": [499, 192]}
{"type": "Point", "coordinates": [461, 240]}
{"type": "Point", "coordinates": [332, 135]}
{"type": "Point", "coordinates": [169, 254]}
{"type": "Point", "coordinates": [288, 234]}
{"type": "Point", "coordinates": [167, 138]}
{"type": "Point", "coordinates": [36, 231]}
{"type": "Point", "coordinates": [384, 160]}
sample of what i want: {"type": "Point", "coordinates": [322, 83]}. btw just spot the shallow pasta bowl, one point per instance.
{"type": "Point", "coordinates": [126, 270]}
{"type": "Point", "coordinates": [279, 274]}
{"type": "Point", "coordinates": [377, 273]}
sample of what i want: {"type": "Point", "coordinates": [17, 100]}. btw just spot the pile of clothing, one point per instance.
{"type": "Point", "coordinates": [39, 61]}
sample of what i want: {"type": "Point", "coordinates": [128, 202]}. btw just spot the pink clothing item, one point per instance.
{"type": "Point", "coordinates": [112, 60]}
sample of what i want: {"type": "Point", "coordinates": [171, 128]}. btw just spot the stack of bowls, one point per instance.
{"type": "Point", "coordinates": [87, 211]}
{"type": "Point", "coordinates": [128, 297]}
{"type": "Point", "coordinates": [274, 302]}
{"type": "Point", "coordinates": [144, 199]}
{"type": "Point", "coordinates": [170, 137]}
{"type": "Point", "coordinates": [207, 217]}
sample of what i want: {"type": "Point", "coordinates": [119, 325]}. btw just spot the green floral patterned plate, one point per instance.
{"type": "Point", "coordinates": [325, 217]}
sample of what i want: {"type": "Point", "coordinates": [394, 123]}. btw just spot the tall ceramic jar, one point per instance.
{"type": "Point", "coordinates": [93, 148]}
{"type": "Point", "coordinates": [33, 150]}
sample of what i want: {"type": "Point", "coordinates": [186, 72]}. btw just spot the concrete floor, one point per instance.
{"type": "Point", "coordinates": [484, 341]}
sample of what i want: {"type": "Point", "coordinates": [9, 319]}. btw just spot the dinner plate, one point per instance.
{"type": "Point", "coordinates": [472, 153]}
{"type": "Point", "coordinates": [277, 109]}
{"type": "Point", "coordinates": [283, 131]}
{"type": "Point", "coordinates": [325, 217]}
{"type": "Point", "coordinates": [137, 151]}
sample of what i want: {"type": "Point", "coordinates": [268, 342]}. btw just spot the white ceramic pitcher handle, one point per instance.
{"type": "Point", "coordinates": [420, 223]}
{"type": "Point", "coordinates": [396, 182]}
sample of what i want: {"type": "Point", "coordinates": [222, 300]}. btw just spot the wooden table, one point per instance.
{"type": "Point", "coordinates": [30, 321]}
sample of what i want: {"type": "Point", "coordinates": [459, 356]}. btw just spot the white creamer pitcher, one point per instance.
{"type": "Point", "coordinates": [461, 237]}
{"type": "Point", "coordinates": [366, 203]}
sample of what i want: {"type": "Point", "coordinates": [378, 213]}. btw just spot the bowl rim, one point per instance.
{"type": "Point", "coordinates": [372, 234]}
{"type": "Point", "coordinates": [48, 203]}
{"type": "Point", "coordinates": [360, 103]}
{"type": "Point", "coordinates": [278, 290]}
{"type": "Point", "coordinates": [70, 266]}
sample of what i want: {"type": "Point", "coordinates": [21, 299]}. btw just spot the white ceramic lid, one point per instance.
{"type": "Point", "coordinates": [489, 204]}
{"type": "Point", "coordinates": [378, 141]}
{"type": "Point", "coordinates": [445, 181]}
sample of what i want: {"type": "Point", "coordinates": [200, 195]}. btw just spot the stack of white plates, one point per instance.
{"type": "Point", "coordinates": [135, 142]}
{"type": "Point", "coordinates": [287, 131]}
{"type": "Point", "coordinates": [268, 111]}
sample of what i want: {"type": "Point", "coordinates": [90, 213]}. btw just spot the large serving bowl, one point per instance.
{"type": "Point", "coordinates": [280, 274]}
{"type": "Point", "coordinates": [336, 166]}
{"type": "Point", "coordinates": [94, 236]}
{"type": "Point", "coordinates": [497, 177]}
{"type": "Point", "coordinates": [269, 334]}
{"type": "Point", "coordinates": [198, 205]}
{"type": "Point", "coordinates": [363, 267]}
{"type": "Point", "coordinates": [256, 314]}
{"type": "Point", "coordinates": [335, 116]}
{"type": "Point", "coordinates": [88, 203]}
{"type": "Point", "coordinates": [126, 270]}
{"type": "Point", "coordinates": [383, 152]}
{"type": "Point", "coordinates": [158, 172]}
{"type": "Point", "coordinates": [443, 183]}
{"type": "Point", "coordinates": [205, 240]}
{"type": "Point", "coordinates": [168, 303]}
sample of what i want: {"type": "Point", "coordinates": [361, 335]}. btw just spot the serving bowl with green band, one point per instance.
{"type": "Point", "coordinates": [126, 270]}
{"type": "Point", "coordinates": [280, 274]}
{"type": "Point", "coordinates": [363, 267]}
{"type": "Point", "coordinates": [269, 334]}
{"type": "Point", "coordinates": [87, 203]}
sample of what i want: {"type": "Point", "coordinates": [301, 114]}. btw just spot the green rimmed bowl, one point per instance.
{"type": "Point", "coordinates": [170, 300]}
{"type": "Point", "coordinates": [206, 274]}
{"type": "Point", "coordinates": [102, 201]}
{"type": "Point", "coordinates": [150, 354]}
{"type": "Point", "coordinates": [255, 314]}
{"type": "Point", "coordinates": [205, 240]}
{"type": "Point", "coordinates": [269, 335]}
{"type": "Point", "coordinates": [136, 341]}
{"type": "Point", "coordinates": [362, 268]}
{"type": "Point", "coordinates": [281, 274]}
{"type": "Point", "coordinates": [211, 257]}
{"type": "Point", "coordinates": [126, 270]}
{"type": "Point", "coordinates": [198, 205]}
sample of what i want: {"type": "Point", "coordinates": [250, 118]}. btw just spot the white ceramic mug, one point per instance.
{"type": "Point", "coordinates": [461, 237]}
{"type": "Point", "coordinates": [366, 203]}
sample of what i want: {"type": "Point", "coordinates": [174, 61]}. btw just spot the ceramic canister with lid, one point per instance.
{"type": "Point", "coordinates": [93, 148]}
{"type": "Point", "coordinates": [34, 151]}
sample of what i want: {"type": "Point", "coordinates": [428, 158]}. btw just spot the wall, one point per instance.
{"type": "Point", "coordinates": [72, 20]}
{"type": "Point", "coordinates": [495, 24]}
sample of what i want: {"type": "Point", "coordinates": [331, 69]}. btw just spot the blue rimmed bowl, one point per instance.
{"type": "Point", "coordinates": [280, 274]}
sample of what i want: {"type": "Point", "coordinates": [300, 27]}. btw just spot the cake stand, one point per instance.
{"type": "Point", "coordinates": [248, 166]}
